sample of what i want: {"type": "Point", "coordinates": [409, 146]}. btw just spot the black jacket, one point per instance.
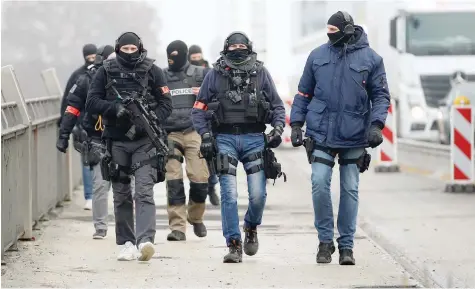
{"type": "Point", "coordinates": [71, 81]}
{"type": "Point", "coordinates": [97, 102]}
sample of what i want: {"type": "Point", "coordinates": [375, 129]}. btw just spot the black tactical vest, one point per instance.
{"type": "Point", "coordinates": [252, 108]}
{"type": "Point", "coordinates": [183, 99]}
{"type": "Point", "coordinates": [129, 80]}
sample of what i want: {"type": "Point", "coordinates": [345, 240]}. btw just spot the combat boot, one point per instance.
{"type": "Point", "coordinates": [199, 229]}
{"type": "Point", "coordinates": [251, 243]}
{"type": "Point", "coordinates": [325, 251]}
{"type": "Point", "coordinates": [346, 257]}
{"type": "Point", "coordinates": [213, 197]}
{"type": "Point", "coordinates": [235, 252]}
{"type": "Point", "coordinates": [176, 235]}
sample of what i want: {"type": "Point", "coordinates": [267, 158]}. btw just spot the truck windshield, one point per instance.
{"type": "Point", "coordinates": [447, 33]}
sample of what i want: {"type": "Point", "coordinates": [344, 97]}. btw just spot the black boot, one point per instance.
{"type": "Point", "coordinates": [346, 257]}
{"type": "Point", "coordinates": [176, 235]}
{"type": "Point", "coordinates": [199, 229]}
{"type": "Point", "coordinates": [325, 251]}
{"type": "Point", "coordinates": [235, 252]}
{"type": "Point", "coordinates": [213, 197]}
{"type": "Point", "coordinates": [251, 243]}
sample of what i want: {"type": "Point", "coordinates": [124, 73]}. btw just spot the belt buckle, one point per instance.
{"type": "Point", "coordinates": [237, 129]}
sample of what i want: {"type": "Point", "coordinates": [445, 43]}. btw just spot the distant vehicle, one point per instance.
{"type": "Point", "coordinates": [466, 89]}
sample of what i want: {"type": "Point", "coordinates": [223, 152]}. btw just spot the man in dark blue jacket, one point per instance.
{"type": "Point", "coordinates": [241, 97]}
{"type": "Point", "coordinates": [343, 97]}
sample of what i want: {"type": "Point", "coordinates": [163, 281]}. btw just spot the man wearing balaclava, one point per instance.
{"type": "Point", "coordinates": [239, 98]}
{"type": "Point", "coordinates": [196, 56]}
{"type": "Point", "coordinates": [89, 54]}
{"type": "Point", "coordinates": [184, 81]}
{"type": "Point", "coordinates": [344, 99]}
{"type": "Point", "coordinates": [131, 75]}
{"type": "Point", "coordinates": [89, 129]}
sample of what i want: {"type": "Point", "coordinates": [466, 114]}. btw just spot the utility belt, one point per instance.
{"type": "Point", "coordinates": [361, 162]}
{"type": "Point", "coordinates": [271, 167]}
{"type": "Point", "coordinates": [240, 128]}
{"type": "Point", "coordinates": [112, 171]}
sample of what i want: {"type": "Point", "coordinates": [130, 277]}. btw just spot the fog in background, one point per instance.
{"type": "Point", "coordinates": [41, 35]}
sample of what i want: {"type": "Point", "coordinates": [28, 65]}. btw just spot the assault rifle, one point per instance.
{"type": "Point", "coordinates": [142, 116]}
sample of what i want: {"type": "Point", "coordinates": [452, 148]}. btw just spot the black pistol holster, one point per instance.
{"type": "Point", "coordinates": [272, 168]}
{"type": "Point", "coordinates": [110, 170]}
{"type": "Point", "coordinates": [362, 162]}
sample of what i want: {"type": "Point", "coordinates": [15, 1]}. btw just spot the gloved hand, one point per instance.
{"type": "Point", "coordinates": [296, 135]}
{"type": "Point", "coordinates": [121, 111]}
{"type": "Point", "coordinates": [62, 144]}
{"type": "Point", "coordinates": [274, 138]}
{"type": "Point", "coordinates": [206, 147]}
{"type": "Point", "coordinates": [375, 136]}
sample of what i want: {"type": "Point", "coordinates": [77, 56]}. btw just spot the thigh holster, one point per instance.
{"type": "Point", "coordinates": [158, 162]}
{"type": "Point", "coordinates": [311, 146]}
{"type": "Point", "coordinates": [172, 145]}
{"type": "Point", "coordinates": [223, 163]}
{"type": "Point", "coordinates": [362, 162]}
{"type": "Point", "coordinates": [253, 157]}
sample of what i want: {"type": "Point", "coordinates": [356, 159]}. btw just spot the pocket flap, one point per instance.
{"type": "Point", "coordinates": [317, 105]}
{"type": "Point", "coordinates": [320, 61]}
{"type": "Point", "coordinates": [358, 68]}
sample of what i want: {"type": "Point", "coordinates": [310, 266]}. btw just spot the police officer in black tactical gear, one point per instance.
{"type": "Point", "coordinates": [196, 56]}
{"type": "Point", "coordinates": [130, 74]}
{"type": "Point", "coordinates": [90, 147]}
{"type": "Point", "coordinates": [240, 97]}
{"type": "Point", "coordinates": [184, 81]}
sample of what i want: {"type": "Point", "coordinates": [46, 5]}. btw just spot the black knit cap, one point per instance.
{"type": "Point", "coordinates": [338, 20]}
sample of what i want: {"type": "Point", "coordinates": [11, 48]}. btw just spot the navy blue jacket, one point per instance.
{"type": "Point", "coordinates": [209, 89]}
{"type": "Point", "coordinates": [341, 93]}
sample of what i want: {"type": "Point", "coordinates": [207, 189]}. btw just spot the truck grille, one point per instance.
{"type": "Point", "coordinates": [436, 87]}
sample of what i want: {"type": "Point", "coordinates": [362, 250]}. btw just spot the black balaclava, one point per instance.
{"type": "Point", "coordinates": [193, 50]}
{"type": "Point", "coordinates": [238, 55]}
{"type": "Point", "coordinates": [88, 49]}
{"type": "Point", "coordinates": [176, 62]}
{"type": "Point", "coordinates": [129, 38]}
{"type": "Point", "coordinates": [339, 38]}
{"type": "Point", "coordinates": [102, 53]}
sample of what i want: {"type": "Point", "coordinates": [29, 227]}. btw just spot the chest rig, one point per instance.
{"type": "Point", "coordinates": [130, 80]}
{"type": "Point", "coordinates": [239, 99]}
{"type": "Point", "coordinates": [180, 84]}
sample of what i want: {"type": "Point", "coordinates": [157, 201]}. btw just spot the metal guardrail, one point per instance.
{"type": "Point", "coordinates": [424, 147]}
{"type": "Point", "coordinates": [35, 176]}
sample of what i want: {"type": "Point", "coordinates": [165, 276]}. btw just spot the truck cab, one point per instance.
{"type": "Point", "coordinates": [431, 49]}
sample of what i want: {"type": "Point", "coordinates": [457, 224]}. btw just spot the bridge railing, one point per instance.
{"type": "Point", "coordinates": [35, 176]}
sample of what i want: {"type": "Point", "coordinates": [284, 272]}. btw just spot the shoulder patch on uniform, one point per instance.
{"type": "Point", "coordinates": [164, 89]}
{"type": "Point", "coordinates": [73, 88]}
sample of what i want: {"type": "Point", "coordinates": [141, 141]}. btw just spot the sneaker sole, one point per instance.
{"type": "Point", "coordinates": [147, 253]}
{"type": "Point", "coordinates": [126, 258]}
{"type": "Point", "coordinates": [98, 237]}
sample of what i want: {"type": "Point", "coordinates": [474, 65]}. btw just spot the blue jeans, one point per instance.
{"type": "Point", "coordinates": [322, 202]}
{"type": "Point", "coordinates": [240, 147]}
{"type": "Point", "coordinates": [87, 182]}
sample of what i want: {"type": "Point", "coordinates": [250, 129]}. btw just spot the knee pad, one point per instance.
{"type": "Point", "coordinates": [198, 192]}
{"type": "Point", "coordinates": [176, 192]}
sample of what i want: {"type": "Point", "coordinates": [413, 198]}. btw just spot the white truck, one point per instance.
{"type": "Point", "coordinates": [426, 44]}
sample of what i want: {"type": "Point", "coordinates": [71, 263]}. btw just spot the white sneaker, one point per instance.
{"type": "Point", "coordinates": [146, 251]}
{"type": "Point", "coordinates": [88, 205]}
{"type": "Point", "coordinates": [128, 252]}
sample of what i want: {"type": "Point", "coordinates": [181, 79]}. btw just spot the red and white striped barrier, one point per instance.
{"type": "Point", "coordinates": [462, 163]}
{"type": "Point", "coordinates": [387, 151]}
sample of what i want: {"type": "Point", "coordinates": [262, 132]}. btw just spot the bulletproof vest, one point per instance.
{"type": "Point", "coordinates": [129, 80]}
{"type": "Point", "coordinates": [183, 99]}
{"type": "Point", "coordinates": [240, 104]}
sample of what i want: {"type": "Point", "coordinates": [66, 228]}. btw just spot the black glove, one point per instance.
{"type": "Point", "coordinates": [274, 138]}
{"type": "Point", "coordinates": [206, 147]}
{"type": "Point", "coordinates": [375, 137]}
{"type": "Point", "coordinates": [121, 111]}
{"type": "Point", "coordinates": [62, 144]}
{"type": "Point", "coordinates": [296, 135]}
